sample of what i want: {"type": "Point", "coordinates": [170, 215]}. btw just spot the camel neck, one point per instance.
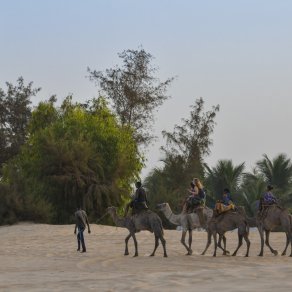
{"type": "Point", "coordinates": [170, 216]}
{"type": "Point", "coordinates": [120, 222]}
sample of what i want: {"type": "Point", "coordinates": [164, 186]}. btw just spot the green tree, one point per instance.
{"type": "Point", "coordinates": [184, 154]}
{"type": "Point", "coordinates": [76, 155]}
{"type": "Point", "coordinates": [278, 172]}
{"type": "Point", "coordinates": [224, 175]}
{"type": "Point", "coordinates": [252, 188]}
{"type": "Point", "coordinates": [15, 113]}
{"type": "Point", "coordinates": [134, 91]}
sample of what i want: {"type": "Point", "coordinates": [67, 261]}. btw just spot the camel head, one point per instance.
{"type": "Point", "coordinates": [162, 206]}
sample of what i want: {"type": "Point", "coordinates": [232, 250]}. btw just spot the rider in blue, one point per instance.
{"type": "Point", "coordinates": [268, 197]}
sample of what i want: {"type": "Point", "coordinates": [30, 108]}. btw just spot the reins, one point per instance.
{"type": "Point", "coordinates": [98, 220]}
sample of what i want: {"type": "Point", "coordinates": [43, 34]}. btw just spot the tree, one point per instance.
{"type": "Point", "coordinates": [184, 154]}
{"type": "Point", "coordinates": [224, 175]}
{"type": "Point", "coordinates": [253, 186]}
{"type": "Point", "coordinates": [76, 155]}
{"type": "Point", "coordinates": [277, 172]}
{"type": "Point", "coordinates": [134, 91]}
{"type": "Point", "coordinates": [191, 140]}
{"type": "Point", "coordinates": [15, 113]}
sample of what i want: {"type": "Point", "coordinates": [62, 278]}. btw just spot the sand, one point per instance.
{"type": "Point", "coordinates": [37, 257]}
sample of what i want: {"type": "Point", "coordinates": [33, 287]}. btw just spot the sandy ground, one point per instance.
{"type": "Point", "coordinates": [36, 257]}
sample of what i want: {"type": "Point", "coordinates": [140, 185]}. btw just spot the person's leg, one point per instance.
{"type": "Point", "coordinates": [78, 240]}
{"type": "Point", "coordinates": [200, 212]}
{"type": "Point", "coordinates": [81, 230]}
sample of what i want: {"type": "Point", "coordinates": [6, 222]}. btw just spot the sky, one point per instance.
{"type": "Point", "coordinates": [235, 53]}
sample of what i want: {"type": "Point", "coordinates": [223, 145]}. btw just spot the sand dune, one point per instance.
{"type": "Point", "coordinates": [37, 257]}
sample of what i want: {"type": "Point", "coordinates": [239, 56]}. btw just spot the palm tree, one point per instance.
{"type": "Point", "coordinates": [252, 188]}
{"type": "Point", "coordinates": [277, 172]}
{"type": "Point", "coordinates": [223, 175]}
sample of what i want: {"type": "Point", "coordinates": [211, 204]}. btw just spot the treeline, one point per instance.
{"type": "Point", "coordinates": [170, 182]}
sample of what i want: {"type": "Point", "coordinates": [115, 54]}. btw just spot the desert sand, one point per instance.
{"type": "Point", "coordinates": [38, 257]}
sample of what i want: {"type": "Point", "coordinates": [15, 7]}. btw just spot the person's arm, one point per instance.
{"type": "Point", "coordinates": [87, 224]}
{"type": "Point", "coordinates": [75, 228]}
{"type": "Point", "coordinates": [195, 191]}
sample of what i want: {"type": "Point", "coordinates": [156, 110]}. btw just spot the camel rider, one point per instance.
{"type": "Point", "coordinates": [196, 200]}
{"type": "Point", "coordinates": [226, 203]}
{"type": "Point", "coordinates": [139, 201]}
{"type": "Point", "coordinates": [268, 199]}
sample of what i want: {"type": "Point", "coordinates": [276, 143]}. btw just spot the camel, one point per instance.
{"type": "Point", "coordinates": [274, 216]}
{"type": "Point", "coordinates": [146, 220]}
{"type": "Point", "coordinates": [226, 222]}
{"type": "Point", "coordinates": [188, 221]}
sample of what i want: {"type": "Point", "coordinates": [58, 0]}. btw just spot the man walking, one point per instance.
{"type": "Point", "coordinates": [81, 222]}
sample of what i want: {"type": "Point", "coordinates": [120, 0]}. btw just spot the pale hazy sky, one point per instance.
{"type": "Point", "coordinates": [235, 53]}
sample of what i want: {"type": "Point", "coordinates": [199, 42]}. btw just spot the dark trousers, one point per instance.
{"type": "Point", "coordinates": [80, 238]}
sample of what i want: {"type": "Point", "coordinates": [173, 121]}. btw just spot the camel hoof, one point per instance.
{"type": "Point", "coordinates": [126, 253]}
{"type": "Point", "coordinates": [234, 254]}
{"type": "Point", "coordinates": [214, 255]}
{"type": "Point", "coordinates": [260, 255]}
{"type": "Point", "coordinates": [290, 255]}
{"type": "Point", "coordinates": [275, 252]}
{"type": "Point", "coordinates": [165, 256]}
{"type": "Point", "coordinates": [135, 255]}
{"type": "Point", "coordinates": [283, 254]}
{"type": "Point", "coordinates": [202, 253]}
{"type": "Point", "coordinates": [246, 255]}
{"type": "Point", "coordinates": [227, 252]}
{"type": "Point", "coordinates": [152, 255]}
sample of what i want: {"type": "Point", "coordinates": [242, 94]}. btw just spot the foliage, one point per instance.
{"type": "Point", "coordinates": [223, 175]}
{"type": "Point", "coordinates": [186, 147]}
{"type": "Point", "coordinates": [76, 155]}
{"type": "Point", "coordinates": [15, 113]}
{"type": "Point", "coordinates": [134, 91]}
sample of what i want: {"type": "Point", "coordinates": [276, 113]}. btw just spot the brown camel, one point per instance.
{"type": "Point", "coordinates": [146, 220]}
{"type": "Point", "coordinates": [272, 217]}
{"type": "Point", "coordinates": [188, 222]}
{"type": "Point", "coordinates": [226, 222]}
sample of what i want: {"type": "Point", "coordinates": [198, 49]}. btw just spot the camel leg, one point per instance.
{"type": "Point", "coordinates": [183, 241]}
{"type": "Point", "coordinates": [126, 243]}
{"type": "Point", "coordinates": [222, 237]}
{"type": "Point", "coordinates": [215, 243]}
{"type": "Point", "coordinates": [156, 245]}
{"type": "Point", "coordinates": [190, 241]}
{"type": "Point", "coordinates": [163, 241]}
{"type": "Point", "coordinates": [261, 232]}
{"type": "Point", "coordinates": [268, 243]}
{"type": "Point", "coordinates": [224, 242]}
{"type": "Point", "coordinates": [290, 235]}
{"type": "Point", "coordinates": [239, 244]}
{"type": "Point", "coordinates": [287, 243]}
{"type": "Point", "coordinates": [136, 245]}
{"type": "Point", "coordinates": [208, 243]}
{"type": "Point", "coordinates": [247, 243]}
